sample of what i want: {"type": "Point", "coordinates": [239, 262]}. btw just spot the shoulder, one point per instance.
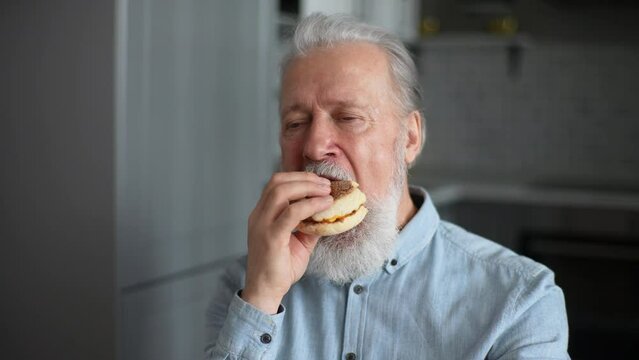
{"type": "Point", "coordinates": [512, 282]}
{"type": "Point", "coordinates": [488, 266]}
{"type": "Point", "coordinates": [485, 253]}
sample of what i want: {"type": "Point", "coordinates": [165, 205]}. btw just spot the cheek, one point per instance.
{"type": "Point", "coordinates": [376, 164]}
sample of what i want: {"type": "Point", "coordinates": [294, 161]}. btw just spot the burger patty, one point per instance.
{"type": "Point", "coordinates": [333, 219]}
{"type": "Point", "coordinates": [340, 188]}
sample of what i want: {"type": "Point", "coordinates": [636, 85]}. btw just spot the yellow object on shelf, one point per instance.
{"type": "Point", "coordinates": [505, 25]}
{"type": "Point", "coordinates": [429, 26]}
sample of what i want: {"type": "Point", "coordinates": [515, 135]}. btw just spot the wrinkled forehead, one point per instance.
{"type": "Point", "coordinates": [350, 72]}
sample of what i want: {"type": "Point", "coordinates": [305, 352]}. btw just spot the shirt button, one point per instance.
{"type": "Point", "coordinates": [265, 338]}
{"type": "Point", "coordinates": [393, 262]}
{"type": "Point", "coordinates": [358, 289]}
{"type": "Point", "coordinates": [351, 356]}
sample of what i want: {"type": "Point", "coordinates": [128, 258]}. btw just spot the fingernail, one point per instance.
{"type": "Point", "coordinates": [325, 181]}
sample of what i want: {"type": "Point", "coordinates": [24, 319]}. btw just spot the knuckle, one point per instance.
{"type": "Point", "coordinates": [288, 212]}
{"type": "Point", "coordinates": [286, 219]}
{"type": "Point", "coordinates": [316, 188]}
{"type": "Point", "coordinates": [277, 194]}
{"type": "Point", "coordinates": [301, 205]}
{"type": "Point", "coordinates": [277, 177]}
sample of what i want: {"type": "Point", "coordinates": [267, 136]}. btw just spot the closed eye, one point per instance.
{"type": "Point", "coordinates": [294, 125]}
{"type": "Point", "coordinates": [352, 122]}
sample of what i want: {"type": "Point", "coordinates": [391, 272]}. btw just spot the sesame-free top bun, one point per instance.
{"type": "Point", "coordinates": [346, 212]}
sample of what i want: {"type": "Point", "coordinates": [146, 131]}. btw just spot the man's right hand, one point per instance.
{"type": "Point", "coordinates": [277, 257]}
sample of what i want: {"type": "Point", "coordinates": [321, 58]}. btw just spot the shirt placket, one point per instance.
{"type": "Point", "coordinates": [355, 320]}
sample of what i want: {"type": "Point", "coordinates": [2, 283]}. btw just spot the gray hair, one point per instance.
{"type": "Point", "coordinates": [319, 30]}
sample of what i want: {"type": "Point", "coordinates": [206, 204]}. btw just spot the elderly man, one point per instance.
{"type": "Point", "coordinates": [403, 284]}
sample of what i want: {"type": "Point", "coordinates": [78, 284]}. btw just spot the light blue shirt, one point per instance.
{"type": "Point", "coordinates": [444, 293]}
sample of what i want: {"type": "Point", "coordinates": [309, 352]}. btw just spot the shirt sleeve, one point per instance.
{"type": "Point", "coordinates": [236, 329]}
{"type": "Point", "coordinates": [537, 327]}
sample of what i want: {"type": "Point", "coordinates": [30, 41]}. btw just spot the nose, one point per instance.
{"type": "Point", "coordinates": [320, 139]}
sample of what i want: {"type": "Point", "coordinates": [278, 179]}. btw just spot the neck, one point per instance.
{"type": "Point", "coordinates": [407, 208]}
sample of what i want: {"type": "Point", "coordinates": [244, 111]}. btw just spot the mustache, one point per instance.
{"type": "Point", "coordinates": [329, 170]}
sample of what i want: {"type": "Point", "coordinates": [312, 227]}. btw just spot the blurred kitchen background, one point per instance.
{"type": "Point", "coordinates": [136, 135]}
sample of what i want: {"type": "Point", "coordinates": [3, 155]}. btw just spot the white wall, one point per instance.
{"type": "Point", "coordinates": [565, 114]}
{"type": "Point", "coordinates": [196, 112]}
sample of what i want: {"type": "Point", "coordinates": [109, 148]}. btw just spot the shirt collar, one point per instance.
{"type": "Point", "coordinates": [417, 233]}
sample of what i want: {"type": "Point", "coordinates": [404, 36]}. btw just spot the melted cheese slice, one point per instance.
{"type": "Point", "coordinates": [339, 218]}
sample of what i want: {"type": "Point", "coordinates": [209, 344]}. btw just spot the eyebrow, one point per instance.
{"type": "Point", "coordinates": [351, 103]}
{"type": "Point", "coordinates": [294, 107]}
{"type": "Point", "coordinates": [338, 103]}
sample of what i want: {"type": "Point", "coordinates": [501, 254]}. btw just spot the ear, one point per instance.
{"type": "Point", "coordinates": [414, 136]}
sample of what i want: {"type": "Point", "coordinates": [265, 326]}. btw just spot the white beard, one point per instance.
{"type": "Point", "coordinates": [362, 250]}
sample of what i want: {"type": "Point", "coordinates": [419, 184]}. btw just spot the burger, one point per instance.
{"type": "Point", "coordinates": [346, 212]}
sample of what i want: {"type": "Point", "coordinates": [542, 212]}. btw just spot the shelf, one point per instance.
{"type": "Point", "coordinates": [474, 40]}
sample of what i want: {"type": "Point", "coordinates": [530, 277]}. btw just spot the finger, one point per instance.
{"type": "Point", "coordinates": [297, 176]}
{"type": "Point", "coordinates": [303, 244]}
{"type": "Point", "coordinates": [281, 178]}
{"type": "Point", "coordinates": [284, 194]}
{"type": "Point", "coordinates": [308, 241]}
{"type": "Point", "coordinates": [284, 177]}
{"type": "Point", "coordinates": [294, 213]}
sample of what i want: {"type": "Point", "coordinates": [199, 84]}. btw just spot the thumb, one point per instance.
{"type": "Point", "coordinates": [307, 241]}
